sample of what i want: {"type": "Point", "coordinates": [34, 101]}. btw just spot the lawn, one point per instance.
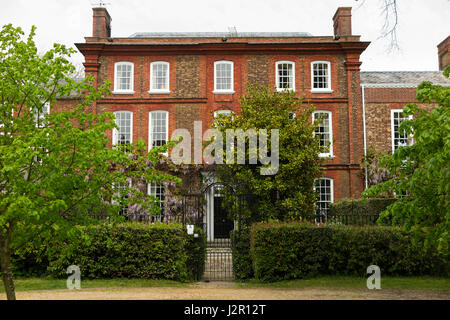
{"type": "Point", "coordinates": [346, 282]}
{"type": "Point", "coordinates": [332, 282]}
{"type": "Point", "coordinates": [55, 284]}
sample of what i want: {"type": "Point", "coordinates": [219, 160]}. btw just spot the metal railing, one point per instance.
{"type": "Point", "coordinates": [342, 219]}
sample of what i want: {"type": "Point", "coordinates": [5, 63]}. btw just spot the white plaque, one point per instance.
{"type": "Point", "coordinates": [190, 229]}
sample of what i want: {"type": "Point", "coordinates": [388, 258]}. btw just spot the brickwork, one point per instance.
{"type": "Point", "coordinates": [444, 53]}
{"type": "Point", "coordinates": [389, 95]}
{"type": "Point", "coordinates": [191, 83]}
{"type": "Point", "coordinates": [378, 123]}
{"type": "Point", "coordinates": [187, 77]}
{"type": "Point", "coordinates": [258, 70]}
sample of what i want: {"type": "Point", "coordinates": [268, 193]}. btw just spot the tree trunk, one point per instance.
{"type": "Point", "coordinates": [5, 261]}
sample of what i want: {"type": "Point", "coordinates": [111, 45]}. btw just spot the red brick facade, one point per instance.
{"type": "Point", "coordinates": [378, 105]}
{"type": "Point", "coordinates": [191, 82]}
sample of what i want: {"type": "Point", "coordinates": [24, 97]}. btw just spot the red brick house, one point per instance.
{"type": "Point", "coordinates": [165, 81]}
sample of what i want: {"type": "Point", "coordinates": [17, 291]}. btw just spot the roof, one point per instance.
{"type": "Point", "coordinates": [220, 35]}
{"type": "Point", "coordinates": [398, 79]}
{"type": "Point", "coordinates": [73, 93]}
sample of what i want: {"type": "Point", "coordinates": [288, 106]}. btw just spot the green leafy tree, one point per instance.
{"type": "Point", "coordinates": [289, 193]}
{"type": "Point", "coordinates": [420, 172]}
{"type": "Point", "coordinates": [56, 169]}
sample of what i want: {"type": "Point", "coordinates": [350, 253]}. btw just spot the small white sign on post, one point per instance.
{"type": "Point", "coordinates": [190, 229]}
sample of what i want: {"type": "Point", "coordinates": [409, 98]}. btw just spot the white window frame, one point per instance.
{"type": "Point", "coordinates": [331, 188]}
{"type": "Point", "coordinates": [321, 90]}
{"type": "Point", "coordinates": [157, 217]}
{"type": "Point", "coordinates": [277, 78]}
{"type": "Point", "coordinates": [409, 139]}
{"type": "Point", "coordinates": [225, 112]}
{"type": "Point", "coordinates": [150, 127]}
{"type": "Point", "coordinates": [115, 133]}
{"type": "Point", "coordinates": [40, 116]}
{"type": "Point", "coordinates": [122, 91]}
{"type": "Point", "coordinates": [153, 90]}
{"type": "Point", "coordinates": [114, 201]}
{"type": "Point", "coordinates": [224, 91]}
{"type": "Point", "coordinates": [330, 118]}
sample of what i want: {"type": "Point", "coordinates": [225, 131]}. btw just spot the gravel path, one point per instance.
{"type": "Point", "coordinates": [227, 291]}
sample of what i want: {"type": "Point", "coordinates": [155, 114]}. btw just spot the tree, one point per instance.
{"type": "Point", "coordinates": [389, 10]}
{"type": "Point", "coordinates": [421, 175]}
{"type": "Point", "coordinates": [56, 170]}
{"type": "Point", "coordinates": [289, 193]}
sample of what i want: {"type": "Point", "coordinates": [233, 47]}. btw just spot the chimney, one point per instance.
{"type": "Point", "coordinates": [102, 23]}
{"type": "Point", "coordinates": [443, 50]}
{"type": "Point", "coordinates": [342, 22]}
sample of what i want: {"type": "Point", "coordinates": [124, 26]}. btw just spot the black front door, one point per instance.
{"type": "Point", "coordinates": [222, 224]}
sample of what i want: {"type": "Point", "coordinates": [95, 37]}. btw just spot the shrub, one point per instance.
{"type": "Point", "coordinates": [240, 246]}
{"type": "Point", "coordinates": [294, 250]}
{"type": "Point", "coordinates": [131, 250]}
{"type": "Point", "coordinates": [196, 254]}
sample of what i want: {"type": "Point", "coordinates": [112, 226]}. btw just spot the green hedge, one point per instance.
{"type": "Point", "coordinates": [371, 206]}
{"type": "Point", "coordinates": [196, 254]}
{"type": "Point", "coordinates": [242, 262]}
{"type": "Point", "coordinates": [131, 250]}
{"type": "Point", "coordinates": [293, 251]}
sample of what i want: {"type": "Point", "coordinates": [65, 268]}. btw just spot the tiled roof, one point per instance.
{"type": "Point", "coordinates": [220, 34]}
{"type": "Point", "coordinates": [401, 78]}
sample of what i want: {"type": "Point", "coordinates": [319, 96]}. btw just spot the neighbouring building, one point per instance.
{"type": "Point", "coordinates": [164, 81]}
{"type": "Point", "coordinates": [385, 93]}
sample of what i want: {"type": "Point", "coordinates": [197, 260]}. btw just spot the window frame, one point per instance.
{"type": "Point", "coordinates": [115, 133]}
{"type": "Point", "coordinates": [321, 90]}
{"type": "Point", "coordinates": [159, 217]}
{"type": "Point", "coordinates": [225, 112]}
{"type": "Point", "coordinates": [39, 117]}
{"type": "Point", "coordinates": [123, 91]}
{"type": "Point", "coordinates": [117, 193]}
{"type": "Point", "coordinates": [277, 78]}
{"type": "Point", "coordinates": [150, 127]}
{"type": "Point", "coordinates": [331, 188]}
{"type": "Point", "coordinates": [330, 121]}
{"type": "Point", "coordinates": [408, 138]}
{"type": "Point", "coordinates": [223, 91]}
{"type": "Point", "coordinates": [167, 82]}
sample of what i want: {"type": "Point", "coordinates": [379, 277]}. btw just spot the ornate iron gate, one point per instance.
{"type": "Point", "coordinates": [217, 210]}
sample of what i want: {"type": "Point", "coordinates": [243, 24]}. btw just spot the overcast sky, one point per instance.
{"type": "Point", "coordinates": [423, 24]}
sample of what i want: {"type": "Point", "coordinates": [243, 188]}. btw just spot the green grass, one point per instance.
{"type": "Point", "coordinates": [331, 282]}
{"type": "Point", "coordinates": [26, 284]}
{"type": "Point", "coordinates": [346, 282]}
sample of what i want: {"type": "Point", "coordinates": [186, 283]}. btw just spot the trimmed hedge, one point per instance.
{"type": "Point", "coordinates": [131, 250]}
{"type": "Point", "coordinates": [242, 261]}
{"type": "Point", "coordinates": [370, 206]}
{"type": "Point", "coordinates": [294, 250]}
{"type": "Point", "coordinates": [196, 254]}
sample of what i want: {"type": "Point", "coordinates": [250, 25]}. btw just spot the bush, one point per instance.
{"type": "Point", "coordinates": [196, 254]}
{"type": "Point", "coordinates": [240, 246]}
{"type": "Point", "coordinates": [131, 250]}
{"type": "Point", "coordinates": [294, 250]}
